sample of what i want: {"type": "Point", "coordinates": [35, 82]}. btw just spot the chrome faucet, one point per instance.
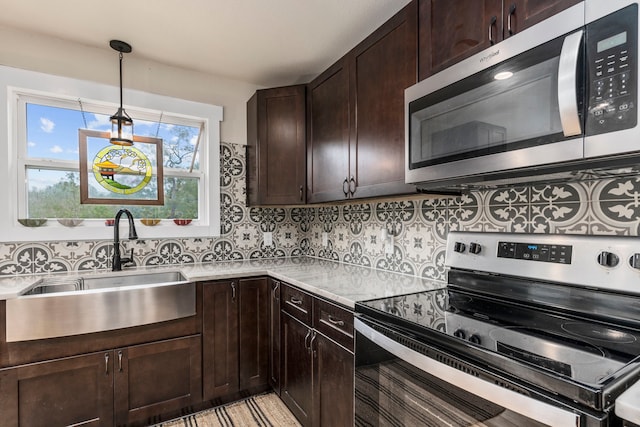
{"type": "Point", "coordinates": [117, 261]}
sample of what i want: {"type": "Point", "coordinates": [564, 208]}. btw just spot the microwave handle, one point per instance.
{"type": "Point", "coordinates": [567, 84]}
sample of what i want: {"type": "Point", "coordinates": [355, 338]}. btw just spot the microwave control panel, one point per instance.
{"type": "Point", "coordinates": [611, 52]}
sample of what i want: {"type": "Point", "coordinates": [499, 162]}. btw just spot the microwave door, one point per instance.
{"type": "Point", "coordinates": [519, 113]}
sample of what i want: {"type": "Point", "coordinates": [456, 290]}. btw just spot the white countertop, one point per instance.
{"type": "Point", "coordinates": [343, 283]}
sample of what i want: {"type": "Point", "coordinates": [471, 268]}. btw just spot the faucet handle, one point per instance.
{"type": "Point", "coordinates": [129, 259]}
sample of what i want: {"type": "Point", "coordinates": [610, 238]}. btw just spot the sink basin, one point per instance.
{"type": "Point", "coordinates": [51, 285]}
{"type": "Point", "coordinates": [73, 305]}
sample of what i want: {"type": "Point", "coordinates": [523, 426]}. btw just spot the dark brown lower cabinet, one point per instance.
{"type": "Point", "coordinates": [253, 333]}
{"type": "Point", "coordinates": [127, 386]}
{"type": "Point", "coordinates": [274, 335]}
{"type": "Point", "coordinates": [71, 391]}
{"type": "Point", "coordinates": [220, 339]}
{"type": "Point", "coordinates": [333, 383]}
{"type": "Point", "coordinates": [317, 375]}
{"type": "Point", "coordinates": [297, 369]}
{"type": "Point", "coordinates": [235, 337]}
{"type": "Point", "coordinates": [156, 378]}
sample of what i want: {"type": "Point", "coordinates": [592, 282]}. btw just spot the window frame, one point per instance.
{"type": "Point", "coordinates": [17, 86]}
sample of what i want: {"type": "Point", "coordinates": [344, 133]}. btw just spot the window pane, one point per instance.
{"type": "Point", "coordinates": [179, 145]}
{"type": "Point", "coordinates": [52, 132]}
{"type": "Point", "coordinates": [56, 194]}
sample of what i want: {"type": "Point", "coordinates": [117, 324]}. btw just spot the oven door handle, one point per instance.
{"type": "Point", "coordinates": [527, 406]}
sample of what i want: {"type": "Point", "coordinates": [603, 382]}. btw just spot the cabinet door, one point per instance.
{"type": "Point", "coordinates": [157, 378]}
{"type": "Point", "coordinates": [521, 14]}
{"type": "Point", "coordinates": [274, 335]}
{"type": "Point", "coordinates": [276, 171]}
{"type": "Point", "coordinates": [334, 383]}
{"type": "Point", "coordinates": [220, 339]}
{"type": "Point", "coordinates": [382, 67]}
{"type": "Point", "coordinates": [254, 335]}
{"type": "Point", "coordinates": [328, 135]}
{"type": "Point", "coordinates": [451, 30]}
{"type": "Point", "coordinates": [72, 391]}
{"type": "Point", "coordinates": [297, 369]}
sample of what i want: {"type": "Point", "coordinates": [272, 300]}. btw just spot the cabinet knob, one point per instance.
{"type": "Point", "coordinates": [345, 187]}
{"type": "Point", "coordinates": [352, 185]}
{"type": "Point", "coordinates": [301, 193]}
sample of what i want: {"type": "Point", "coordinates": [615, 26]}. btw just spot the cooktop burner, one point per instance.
{"type": "Point", "coordinates": [599, 333]}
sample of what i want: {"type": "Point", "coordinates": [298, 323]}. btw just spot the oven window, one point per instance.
{"type": "Point", "coordinates": [391, 392]}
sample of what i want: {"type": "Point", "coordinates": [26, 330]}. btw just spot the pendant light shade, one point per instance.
{"type": "Point", "coordinates": [121, 123]}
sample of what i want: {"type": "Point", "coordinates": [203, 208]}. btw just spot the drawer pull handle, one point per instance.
{"type": "Point", "coordinates": [296, 301]}
{"type": "Point", "coordinates": [335, 321]}
{"type": "Point", "coordinates": [120, 361]}
{"type": "Point", "coordinates": [106, 363]}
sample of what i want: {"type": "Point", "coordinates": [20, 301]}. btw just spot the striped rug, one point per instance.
{"type": "Point", "coordinates": [260, 411]}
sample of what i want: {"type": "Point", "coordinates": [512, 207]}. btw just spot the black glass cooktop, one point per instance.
{"type": "Point", "coordinates": [551, 341]}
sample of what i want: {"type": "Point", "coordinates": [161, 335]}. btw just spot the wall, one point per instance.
{"type": "Point", "coordinates": [596, 207]}
{"type": "Point", "coordinates": [60, 57]}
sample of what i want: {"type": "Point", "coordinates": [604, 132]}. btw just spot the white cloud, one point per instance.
{"type": "Point", "coordinates": [46, 125]}
{"type": "Point", "coordinates": [56, 149]}
{"type": "Point", "coordinates": [99, 122]}
{"type": "Point", "coordinates": [31, 144]}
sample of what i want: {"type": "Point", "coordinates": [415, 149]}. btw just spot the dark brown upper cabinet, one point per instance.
{"type": "Point", "coordinates": [276, 146]}
{"type": "Point", "coordinates": [452, 30]}
{"type": "Point", "coordinates": [355, 116]}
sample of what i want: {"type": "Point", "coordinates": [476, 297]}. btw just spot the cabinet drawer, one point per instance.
{"type": "Point", "coordinates": [297, 303]}
{"type": "Point", "coordinates": [334, 322]}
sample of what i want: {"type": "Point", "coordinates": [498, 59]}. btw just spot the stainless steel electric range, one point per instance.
{"type": "Point", "coordinates": [530, 330]}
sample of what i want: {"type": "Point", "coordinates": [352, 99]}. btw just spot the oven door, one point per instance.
{"type": "Point", "coordinates": [398, 386]}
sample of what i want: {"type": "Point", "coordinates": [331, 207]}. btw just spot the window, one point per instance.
{"type": "Point", "coordinates": [44, 165]}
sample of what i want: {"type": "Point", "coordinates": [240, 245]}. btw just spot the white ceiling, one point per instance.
{"type": "Point", "coordinates": [264, 42]}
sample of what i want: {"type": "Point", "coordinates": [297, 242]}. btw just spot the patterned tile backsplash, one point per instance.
{"type": "Point", "coordinates": [353, 230]}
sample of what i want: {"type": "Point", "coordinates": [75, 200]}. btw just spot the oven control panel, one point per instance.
{"type": "Point", "coordinates": [560, 254]}
{"type": "Point", "coordinates": [607, 262]}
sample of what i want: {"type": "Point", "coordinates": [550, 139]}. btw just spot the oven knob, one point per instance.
{"type": "Point", "coordinates": [459, 247]}
{"type": "Point", "coordinates": [634, 261]}
{"type": "Point", "coordinates": [608, 259]}
{"type": "Point", "coordinates": [459, 333]}
{"type": "Point", "coordinates": [475, 248]}
{"type": "Point", "coordinates": [475, 339]}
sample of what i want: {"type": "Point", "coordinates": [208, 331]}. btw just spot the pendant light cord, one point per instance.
{"type": "Point", "coordinates": [121, 80]}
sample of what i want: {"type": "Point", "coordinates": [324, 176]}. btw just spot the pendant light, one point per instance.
{"type": "Point", "coordinates": [121, 123]}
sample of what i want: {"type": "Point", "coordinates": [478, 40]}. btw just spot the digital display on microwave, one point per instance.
{"type": "Point", "coordinates": [612, 41]}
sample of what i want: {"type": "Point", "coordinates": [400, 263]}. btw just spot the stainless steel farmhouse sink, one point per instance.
{"type": "Point", "coordinates": [63, 306]}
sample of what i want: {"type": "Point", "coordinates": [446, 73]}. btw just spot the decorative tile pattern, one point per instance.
{"type": "Point", "coordinates": [419, 227]}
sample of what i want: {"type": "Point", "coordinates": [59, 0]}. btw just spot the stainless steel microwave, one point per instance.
{"type": "Point", "coordinates": [556, 99]}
